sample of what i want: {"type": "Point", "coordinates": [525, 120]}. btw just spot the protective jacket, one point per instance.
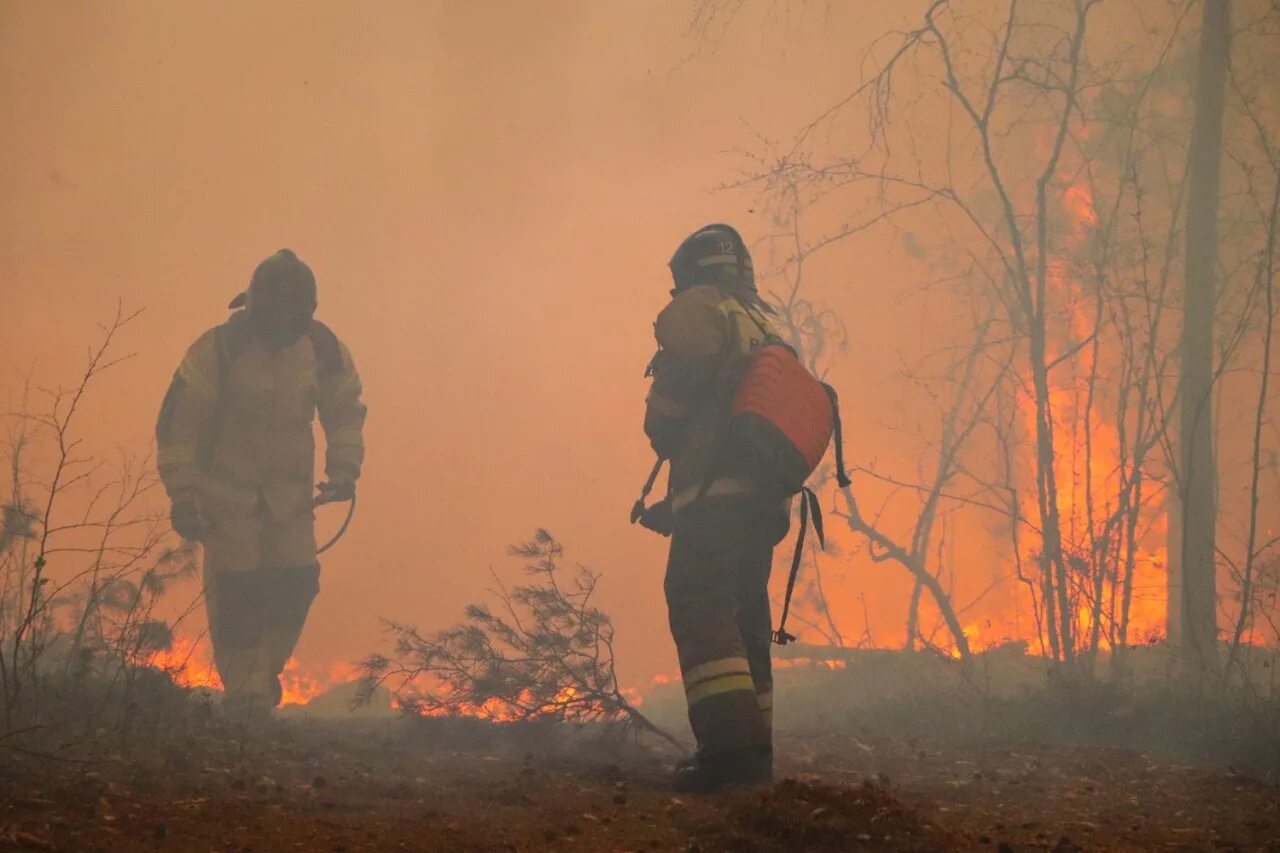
{"type": "Point", "coordinates": [235, 429]}
{"type": "Point", "coordinates": [707, 336]}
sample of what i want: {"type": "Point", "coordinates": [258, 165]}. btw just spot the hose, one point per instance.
{"type": "Point", "coordinates": [351, 512]}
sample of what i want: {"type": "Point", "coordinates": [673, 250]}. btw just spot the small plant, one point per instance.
{"type": "Point", "coordinates": [84, 560]}
{"type": "Point", "coordinates": [546, 654]}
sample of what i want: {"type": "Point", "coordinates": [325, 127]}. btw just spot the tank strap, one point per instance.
{"type": "Point", "coordinates": [842, 479]}
{"type": "Point", "coordinates": [809, 506]}
{"type": "Point", "coordinates": [229, 342]}
{"type": "Point", "coordinates": [770, 336]}
{"type": "Point", "coordinates": [327, 349]}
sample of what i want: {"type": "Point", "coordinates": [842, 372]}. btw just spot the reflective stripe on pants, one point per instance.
{"type": "Point", "coordinates": [718, 607]}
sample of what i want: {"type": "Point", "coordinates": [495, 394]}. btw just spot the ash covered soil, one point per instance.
{"type": "Point", "coordinates": [387, 784]}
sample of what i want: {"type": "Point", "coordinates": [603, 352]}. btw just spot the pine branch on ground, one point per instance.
{"type": "Point", "coordinates": [542, 651]}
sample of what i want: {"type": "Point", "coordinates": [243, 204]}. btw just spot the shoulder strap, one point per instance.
{"type": "Point", "coordinates": [842, 478]}
{"type": "Point", "coordinates": [229, 340]}
{"type": "Point", "coordinates": [222, 357]}
{"type": "Point", "coordinates": [328, 350]}
{"type": "Point", "coordinates": [770, 336]}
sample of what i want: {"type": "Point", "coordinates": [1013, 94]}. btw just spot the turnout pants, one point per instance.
{"type": "Point", "coordinates": [718, 606]}
{"type": "Point", "coordinates": [260, 577]}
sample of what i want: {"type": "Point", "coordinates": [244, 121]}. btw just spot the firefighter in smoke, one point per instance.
{"type": "Point", "coordinates": [236, 455]}
{"type": "Point", "coordinates": [723, 529]}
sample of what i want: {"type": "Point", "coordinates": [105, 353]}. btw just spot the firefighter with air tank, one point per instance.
{"type": "Point", "coordinates": [742, 424]}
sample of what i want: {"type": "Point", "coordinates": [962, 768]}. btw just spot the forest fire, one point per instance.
{"type": "Point", "coordinates": [474, 272]}
{"type": "Point", "coordinates": [1113, 540]}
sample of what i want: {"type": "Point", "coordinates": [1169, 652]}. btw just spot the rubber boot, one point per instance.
{"type": "Point", "coordinates": [707, 774]}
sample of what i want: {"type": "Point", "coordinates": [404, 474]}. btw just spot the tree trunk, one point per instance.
{"type": "Point", "coordinates": [1198, 467]}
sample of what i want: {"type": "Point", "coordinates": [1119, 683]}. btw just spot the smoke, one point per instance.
{"type": "Point", "coordinates": [488, 199]}
{"type": "Point", "coordinates": [488, 205]}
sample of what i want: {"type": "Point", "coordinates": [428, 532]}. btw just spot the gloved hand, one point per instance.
{"type": "Point", "coordinates": [335, 491]}
{"type": "Point", "coordinates": [659, 518]}
{"type": "Point", "coordinates": [186, 520]}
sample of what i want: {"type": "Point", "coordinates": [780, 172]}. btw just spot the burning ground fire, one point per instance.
{"type": "Point", "coordinates": [189, 662]}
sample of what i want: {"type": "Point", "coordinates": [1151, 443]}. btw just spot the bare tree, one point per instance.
{"type": "Point", "coordinates": [1197, 617]}
{"type": "Point", "coordinates": [916, 553]}
{"type": "Point", "coordinates": [83, 559]}
{"type": "Point", "coordinates": [1263, 297]}
{"type": "Point", "coordinates": [1041, 178]}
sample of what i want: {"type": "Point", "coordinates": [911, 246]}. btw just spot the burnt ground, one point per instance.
{"type": "Point", "coordinates": [201, 783]}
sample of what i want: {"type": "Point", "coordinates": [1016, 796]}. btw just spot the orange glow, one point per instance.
{"type": "Point", "coordinates": [299, 686]}
{"type": "Point", "coordinates": [189, 662]}
{"type": "Point", "coordinates": [497, 288]}
{"type": "Point", "coordinates": [1088, 463]}
{"type": "Point", "coordinates": [1090, 482]}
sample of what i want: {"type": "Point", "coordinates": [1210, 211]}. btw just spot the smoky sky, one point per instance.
{"type": "Point", "coordinates": [488, 193]}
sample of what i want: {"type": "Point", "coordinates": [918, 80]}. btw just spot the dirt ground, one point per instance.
{"type": "Point", "coordinates": [387, 784]}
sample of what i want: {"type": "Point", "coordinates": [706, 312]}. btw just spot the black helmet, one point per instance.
{"type": "Point", "coordinates": [714, 254]}
{"type": "Point", "coordinates": [281, 299]}
{"type": "Point", "coordinates": [282, 267]}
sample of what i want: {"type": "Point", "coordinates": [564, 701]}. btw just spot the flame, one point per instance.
{"type": "Point", "coordinates": [189, 662]}
{"type": "Point", "coordinates": [1086, 493]}
{"type": "Point", "coordinates": [1088, 484]}
{"type": "Point", "coordinates": [298, 685]}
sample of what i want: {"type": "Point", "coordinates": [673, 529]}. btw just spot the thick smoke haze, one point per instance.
{"type": "Point", "coordinates": [488, 194]}
{"type": "Point", "coordinates": [1031, 244]}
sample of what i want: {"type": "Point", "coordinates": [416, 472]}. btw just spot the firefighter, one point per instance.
{"type": "Point", "coordinates": [236, 455]}
{"type": "Point", "coordinates": [723, 530]}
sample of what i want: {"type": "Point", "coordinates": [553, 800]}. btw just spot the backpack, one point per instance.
{"type": "Point", "coordinates": [782, 419]}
